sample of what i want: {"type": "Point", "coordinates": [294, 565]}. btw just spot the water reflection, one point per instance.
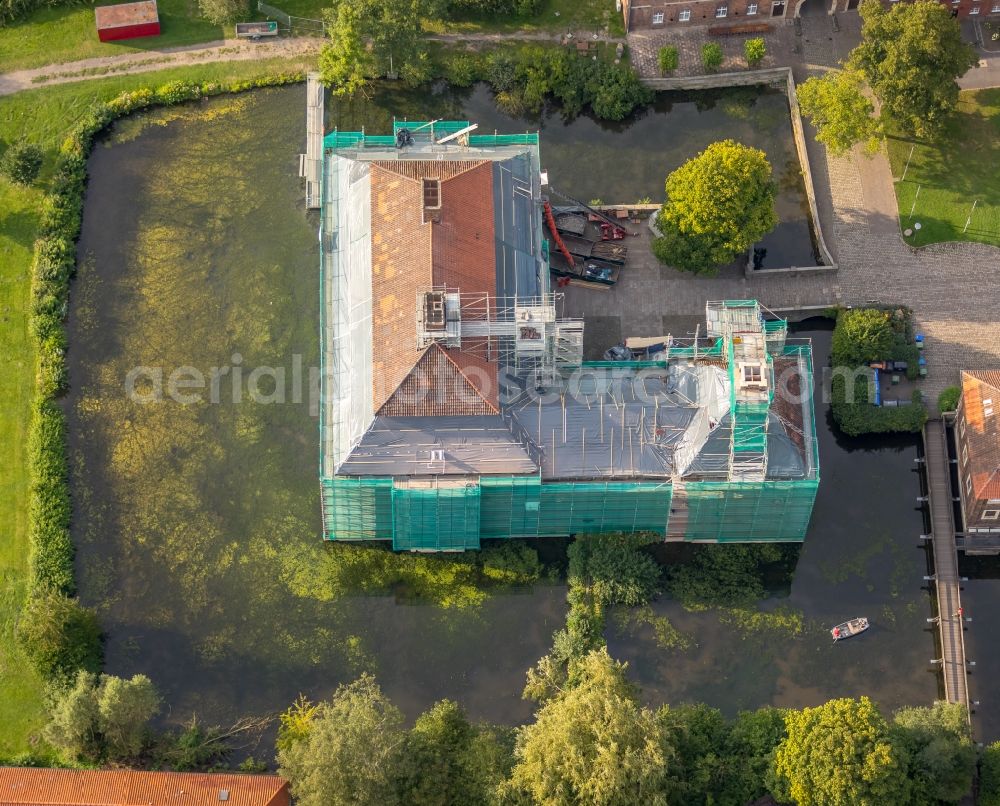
{"type": "Point", "coordinates": [860, 558]}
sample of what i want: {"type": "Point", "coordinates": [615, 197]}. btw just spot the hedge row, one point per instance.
{"type": "Point", "coordinates": [58, 634]}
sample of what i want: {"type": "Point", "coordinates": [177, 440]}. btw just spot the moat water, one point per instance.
{"type": "Point", "coordinates": [197, 525]}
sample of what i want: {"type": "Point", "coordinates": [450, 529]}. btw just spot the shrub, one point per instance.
{"type": "Point", "coordinates": [60, 636]}
{"type": "Point", "coordinates": [668, 59]}
{"type": "Point", "coordinates": [21, 163]}
{"type": "Point", "coordinates": [725, 575]}
{"type": "Point", "coordinates": [948, 399]}
{"type": "Point", "coordinates": [619, 91]}
{"type": "Point", "coordinates": [989, 776]}
{"type": "Point", "coordinates": [614, 568]}
{"type": "Point", "coordinates": [862, 335]}
{"type": "Point", "coordinates": [462, 69]}
{"type": "Point", "coordinates": [754, 50]}
{"type": "Point", "coordinates": [711, 56]}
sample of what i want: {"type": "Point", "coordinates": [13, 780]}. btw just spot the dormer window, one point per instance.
{"type": "Point", "coordinates": [752, 374]}
{"type": "Point", "coordinates": [432, 194]}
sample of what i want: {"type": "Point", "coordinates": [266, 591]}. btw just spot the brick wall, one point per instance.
{"type": "Point", "coordinates": [641, 15]}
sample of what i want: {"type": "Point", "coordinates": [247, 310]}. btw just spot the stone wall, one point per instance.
{"type": "Point", "coordinates": [774, 77]}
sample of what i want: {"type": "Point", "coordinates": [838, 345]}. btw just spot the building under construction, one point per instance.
{"type": "Point", "coordinates": [456, 405]}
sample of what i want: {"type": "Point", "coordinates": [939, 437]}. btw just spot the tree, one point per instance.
{"type": "Point", "coordinates": [345, 751]}
{"type": "Point", "coordinates": [21, 163]}
{"type": "Point", "coordinates": [73, 714]}
{"type": "Point", "coordinates": [593, 744]}
{"type": "Point", "coordinates": [60, 636]}
{"type": "Point", "coordinates": [102, 717]}
{"type": "Point", "coordinates": [711, 56]}
{"type": "Point", "coordinates": [862, 335]}
{"type": "Point", "coordinates": [942, 758]}
{"type": "Point", "coordinates": [911, 55]}
{"type": "Point", "coordinates": [125, 708]}
{"type": "Point", "coordinates": [668, 58]}
{"type": "Point", "coordinates": [442, 764]}
{"type": "Point", "coordinates": [617, 91]}
{"type": "Point", "coordinates": [718, 204]}
{"type": "Point", "coordinates": [224, 12]}
{"type": "Point", "coordinates": [373, 38]}
{"type": "Point", "coordinates": [755, 50]}
{"type": "Point", "coordinates": [699, 734]}
{"type": "Point", "coordinates": [840, 754]}
{"type": "Point", "coordinates": [842, 115]}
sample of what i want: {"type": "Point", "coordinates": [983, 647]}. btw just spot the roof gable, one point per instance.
{"type": "Point", "coordinates": [438, 387]}
{"type": "Point", "coordinates": [980, 396]}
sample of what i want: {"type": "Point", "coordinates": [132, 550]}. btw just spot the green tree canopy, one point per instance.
{"type": "Point", "coordinates": [344, 752]}
{"type": "Point", "coordinates": [369, 39]}
{"type": "Point", "coordinates": [102, 717]}
{"type": "Point", "coordinates": [448, 763]}
{"type": "Point", "coordinates": [718, 204]}
{"type": "Point", "coordinates": [21, 163]}
{"type": "Point", "coordinates": [842, 115]}
{"type": "Point", "coordinates": [862, 335]}
{"type": "Point", "coordinates": [942, 758]}
{"type": "Point", "coordinates": [223, 12]}
{"type": "Point", "coordinates": [911, 55]}
{"type": "Point", "coordinates": [60, 636]}
{"type": "Point", "coordinates": [840, 754]}
{"type": "Point", "coordinates": [124, 709]}
{"type": "Point", "coordinates": [593, 744]}
{"type": "Point", "coordinates": [989, 776]}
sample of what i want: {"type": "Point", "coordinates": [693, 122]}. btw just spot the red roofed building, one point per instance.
{"type": "Point", "coordinates": [127, 21]}
{"type": "Point", "coordinates": [28, 786]}
{"type": "Point", "coordinates": [977, 433]}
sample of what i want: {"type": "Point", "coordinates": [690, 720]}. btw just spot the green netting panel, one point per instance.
{"type": "Point", "coordinates": [492, 140]}
{"type": "Point", "coordinates": [357, 509]}
{"type": "Point", "coordinates": [745, 511]}
{"type": "Point", "coordinates": [571, 507]}
{"type": "Point", "coordinates": [436, 518]}
{"type": "Point", "coordinates": [509, 506]}
{"type": "Point", "coordinates": [441, 127]}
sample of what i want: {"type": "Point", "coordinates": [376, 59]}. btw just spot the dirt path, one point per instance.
{"type": "Point", "coordinates": [149, 60]}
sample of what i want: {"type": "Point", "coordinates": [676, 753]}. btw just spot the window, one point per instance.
{"type": "Point", "coordinates": [658, 18]}
{"type": "Point", "coordinates": [751, 9]}
{"type": "Point", "coordinates": [965, 454]}
{"type": "Point", "coordinates": [968, 484]}
{"type": "Point", "coordinates": [975, 10]}
{"type": "Point", "coordinates": [995, 9]}
{"type": "Point", "coordinates": [961, 427]}
{"type": "Point", "coordinates": [991, 514]}
{"type": "Point", "coordinates": [994, 501]}
{"type": "Point", "coordinates": [432, 193]}
{"type": "Point", "coordinates": [721, 12]}
{"type": "Point", "coordinates": [988, 402]}
{"type": "Point", "coordinates": [684, 16]}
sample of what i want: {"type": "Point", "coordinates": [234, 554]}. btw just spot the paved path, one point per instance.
{"type": "Point", "coordinates": [149, 60]}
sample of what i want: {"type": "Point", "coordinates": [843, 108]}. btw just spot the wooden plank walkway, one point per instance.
{"type": "Point", "coordinates": [950, 622]}
{"type": "Point", "coordinates": [311, 163]}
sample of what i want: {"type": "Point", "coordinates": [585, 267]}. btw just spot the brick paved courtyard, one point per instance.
{"type": "Point", "coordinates": [953, 288]}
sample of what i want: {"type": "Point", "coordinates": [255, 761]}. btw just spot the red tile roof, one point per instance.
{"type": "Point", "coordinates": [24, 786]}
{"type": "Point", "coordinates": [982, 430]}
{"type": "Point", "coordinates": [437, 387]}
{"type": "Point", "coordinates": [456, 250]}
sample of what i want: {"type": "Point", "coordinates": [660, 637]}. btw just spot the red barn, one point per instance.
{"type": "Point", "coordinates": [127, 20]}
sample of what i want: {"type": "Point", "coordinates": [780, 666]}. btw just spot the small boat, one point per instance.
{"type": "Point", "coordinates": [849, 629]}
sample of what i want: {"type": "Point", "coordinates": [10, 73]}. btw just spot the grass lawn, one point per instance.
{"type": "Point", "coordinates": [44, 116]}
{"type": "Point", "coordinates": [68, 33]}
{"type": "Point", "coordinates": [556, 16]}
{"type": "Point", "coordinates": [944, 178]}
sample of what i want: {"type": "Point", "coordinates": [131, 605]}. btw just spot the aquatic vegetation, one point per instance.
{"type": "Point", "coordinates": [665, 634]}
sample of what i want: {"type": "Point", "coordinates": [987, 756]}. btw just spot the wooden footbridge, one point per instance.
{"type": "Point", "coordinates": [950, 619]}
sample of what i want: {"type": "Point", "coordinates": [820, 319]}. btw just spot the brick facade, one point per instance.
{"type": "Point", "coordinates": [653, 14]}
{"type": "Point", "coordinates": [977, 440]}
